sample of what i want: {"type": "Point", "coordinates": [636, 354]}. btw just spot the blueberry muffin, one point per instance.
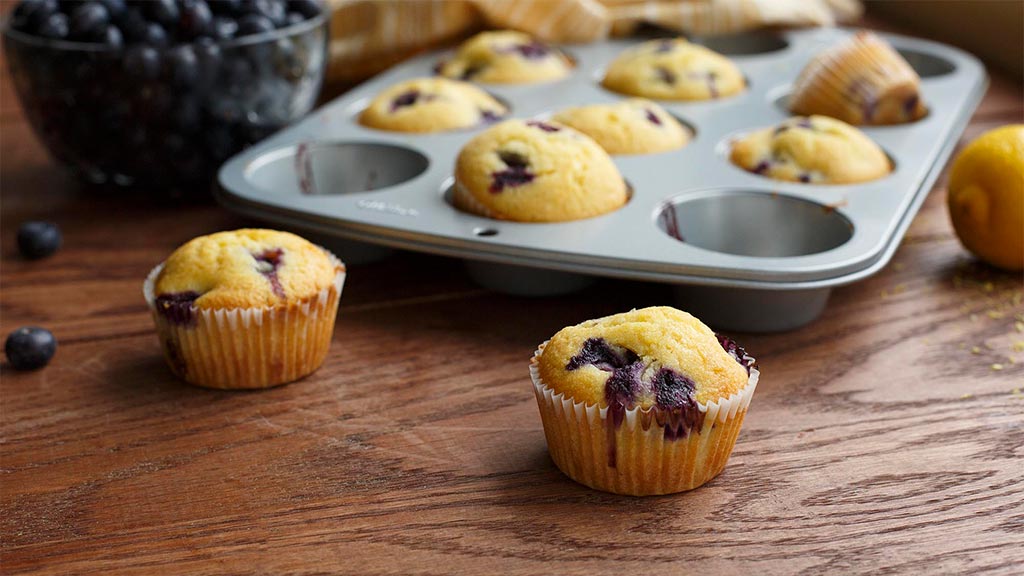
{"type": "Point", "coordinates": [431, 105]}
{"type": "Point", "coordinates": [813, 150]}
{"type": "Point", "coordinates": [505, 57]}
{"type": "Point", "coordinates": [533, 171]}
{"type": "Point", "coordinates": [646, 402]}
{"type": "Point", "coordinates": [862, 80]}
{"type": "Point", "coordinates": [673, 69]}
{"type": "Point", "coordinates": [245, 309]}
{"type": "Point", "coordinates": [634, 126]}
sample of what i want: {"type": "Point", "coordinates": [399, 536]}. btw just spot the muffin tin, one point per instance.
{"type": "Point", "coordinates": [756, 254]}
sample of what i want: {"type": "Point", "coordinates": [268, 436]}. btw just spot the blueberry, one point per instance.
{"type": "Point", "coordinates": [163, 11]}
{"type": "Point", "coordinates": [294, 18]}
{"type": "Point", "coordinates": [38, 239]}
{"type": "Point", "coordinates": [208, 53]}
{"type": "Point", "coordinates": [308, 8]}
{"type": "Point", "coordinates": [155, 35]}
{"type": "Point", "coordinates": [225, 6]}
{"type": "Point", "coordinates": [273, 10]}
{"type": "Point", "coordinates": [183, 65]}
{"type": "Point", "coordinates": [89, 22]}
{"type": "Point", "coordinates": [252, 24]}
{"type": "Point", "coordinates": [112, 37]}
{"type": "Point", "coordinates": [30, 15]}
{"type": "Point", "coordinates": [196, 18]}
{"type": "Point", "coordinates": [404, 99]}
{"type": "Point", "coordinates": [29, 348]}
{"type": "Point", "coordinates": [143, 62]}
{"type": "Point", "coordinates": [224, 28]}
{"type": "Point", "coordinates": [55, 26]}
{"type": "Point", "coordinates": [115, 8]}
{"type": "Point", "coordinates": [133, 25]}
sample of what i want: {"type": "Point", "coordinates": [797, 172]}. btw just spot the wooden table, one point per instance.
{"type": "Point", "coordinates": [881, 439]}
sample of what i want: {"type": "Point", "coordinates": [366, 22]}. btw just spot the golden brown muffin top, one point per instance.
{"type": "Point", "coordinates": [248, 268]}
{"type": "Point", "coordinates": [652, 357]}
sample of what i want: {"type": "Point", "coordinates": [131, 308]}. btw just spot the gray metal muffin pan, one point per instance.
{"type": "Point", "coordinates": [757, 255]}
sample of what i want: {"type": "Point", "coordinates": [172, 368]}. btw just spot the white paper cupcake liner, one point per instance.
{"type": "Point", "coordinates": [249, 347]}
{"type": "Point", "coordinates": [580, 441]}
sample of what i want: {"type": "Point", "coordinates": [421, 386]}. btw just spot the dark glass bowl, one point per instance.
{"type": "Point", "coordinates": [168, 122]}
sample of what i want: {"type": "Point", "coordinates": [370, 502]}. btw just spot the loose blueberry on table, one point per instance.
{"type": "Point", "coordinates": [38, 239]}
{"type": "Point", "coordinates": [30, 348]}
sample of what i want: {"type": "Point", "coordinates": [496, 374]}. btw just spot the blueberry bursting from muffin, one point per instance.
{"type": "Point", "coordinates": [676, 409]}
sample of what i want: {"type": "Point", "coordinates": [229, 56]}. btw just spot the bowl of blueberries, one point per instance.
{"type": "Point", "coordinates": [159, 93]}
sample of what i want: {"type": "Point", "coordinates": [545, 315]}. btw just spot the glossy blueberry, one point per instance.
{"type": "Point", "coordinates": [252, 24]}
{"type": "Point", "coordinates": [177, 307]}
{"type": "Point", "coordinates": [30, 348]}
{"type": "Point", "coordinates": [597, 352]}
{"type": "Point", "coordinates": [112, 37]}
{"type": "Point", "coordinates": [672, 389]}
{"type": "Point", "coordinates": [308, 8]}
{"type": "Point", "coordinates": [165, 12]}
{"type": "Point", "coordinates": [294, 18]}
{"type": "Point", "coordinates": [38, 239]}
{"type": "Point", "coordinates": [196, 19]}
{"type": "Point", "coordinates": [183, 65]}
{"type": "Point", "coordinates": [273, 10]}
{"type": "Point", "coordinates": [156, 35]}
{"type": "Point", "coordinates": [762, 167]}
{"type": "Point", "coordinates": [224, 28]}
{"type": "Point", "coordinates": [142, 62]}
{"type": "Point", "coordinates": [55, 26]}
{"type": "Point", "coordinates": [89, 22]}
{"type": "Point", "coordinates": [736, 351]}
{"type": "Point", "coordinates": [30, 15]}
{"type": "Point", "coordinates": [116, 8]}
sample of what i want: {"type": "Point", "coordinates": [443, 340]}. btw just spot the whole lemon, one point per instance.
{"type": "Point", "coordinates": [986, 197]}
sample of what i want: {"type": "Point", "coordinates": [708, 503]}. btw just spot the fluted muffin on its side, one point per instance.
{"type": "Point", "coordinates": [645, 402]}
{"type": "Point", "coordinates": [505, 57]}
{"type": "Point", "coordinates": [634, 126]}
{"type": "Point", "coordinates": [245, 309]}
{"type": "Point", "coordinates": [861, 80]}
{"type": "Point", "coordinates": [814, 150]}
{"type": "Point", "coordinates": [673, 69]}
{"type": "Point", "coordinates": [534, 171]}
{"type": "Point", "coordinates": [431, 105]}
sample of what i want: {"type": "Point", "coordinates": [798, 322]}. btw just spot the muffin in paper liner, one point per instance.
{"type": "Point", "coordinates": [639, 452]}
{"type": "Point", "coordinates": [861, 81]}
{"type": "Point", "coordinates": [247, 348]}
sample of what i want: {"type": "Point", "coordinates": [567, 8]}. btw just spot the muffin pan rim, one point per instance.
{"type": "Point", "coordinates": [452, 235]}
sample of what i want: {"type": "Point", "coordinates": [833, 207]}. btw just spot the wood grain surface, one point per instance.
{"type": "Point", "coordinates": [882, 439]}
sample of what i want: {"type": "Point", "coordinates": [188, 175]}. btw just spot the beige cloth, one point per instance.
{"type": "Point", "coordinates": [368, 36]}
